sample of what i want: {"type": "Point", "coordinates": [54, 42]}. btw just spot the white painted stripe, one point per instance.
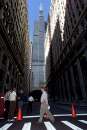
{"type": "Point", "coordinates": [71, 125]}
{"type": "Point", "coordinates": [83, 121]}
{"type": "Point", "coordinates": [1, 118]}
{"type": "Point", "coordinates": [27, 126]}
{"type": "Point", "coordinates": [6, 126]}
{"type": "Point", "coordinates": [49, 126]}
{"type": "Point", "coordinates": [84, 114]}
{"type": "Point", "coordinates": [56, 115]}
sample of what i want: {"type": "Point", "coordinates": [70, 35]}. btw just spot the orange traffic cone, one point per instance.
{"type": "Point", "coordinates": [73, 111]}
{"type": "Point", "coordinates": [19, 117]}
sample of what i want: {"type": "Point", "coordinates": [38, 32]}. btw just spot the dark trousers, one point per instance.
{"type": "Point", "coordinates": [6, 109]}
{"type": "Point", "coordinates": [12, 109]}
{"type": "Point", "coordinates": [29, 108]}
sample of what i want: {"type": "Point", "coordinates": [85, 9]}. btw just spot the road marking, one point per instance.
{"type": "Point", "coordinates": [83, 121]}
{"type": "Point", "coordinates": [71, 125]}
{"type": "Point", "coordinates": [84, 114]}
{"type": "Point", "coordinates": [6, 126]}
{"type": "Point", "coordinates": [27, 126]}
{"type": "Point", "coordinates": [1, 118]}
{"type": "Point", "coordinates": [56, 115]}
{"type": "Point", "coordinates": [49, 126]}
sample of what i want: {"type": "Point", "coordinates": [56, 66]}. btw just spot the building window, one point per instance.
{"type": "Point", "coordinates": [4, 60]}
{"type": "Point", "coordinates": [85, 36]}
{"type": "Point", "coordinates": [77, 7]}
{"type": "Point", "coordinates": [70, 44]}
{"type": "Point", "coordinates": [7, 79]}
{"type": "Point", "coordinates": [13, 71]}
{"type": "Point", "coordinates": [1, 80]}
{"type": "Point", "coordinates": [86, 17]}
{"type": "Point", "coordinates": [1, 75]}
{"type": "Point", "coordinates": [11, 81]}
{"type": "Point", "coordinates": [82, 23]}
{"type": "Point", "coordinates": [81, 3]}
{"type": "Point", "coordinates": [10, 66]}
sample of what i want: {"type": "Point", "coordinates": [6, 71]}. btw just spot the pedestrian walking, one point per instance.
{"type": "Point", "coordinates": [12, 107]}
{"type": "Point", "coordinates": [30, 101]}
{"type": "Point", "coordinates": [7, 102]}
{"type": "Point", "coordinates": [20, 99]}
{"type": "Point", "coordinates": [44, 106]}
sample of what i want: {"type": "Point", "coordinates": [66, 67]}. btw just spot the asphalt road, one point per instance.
{"type": "Point", "coordinates": [62, 122]}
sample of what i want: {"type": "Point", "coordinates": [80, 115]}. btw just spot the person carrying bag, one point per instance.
{"type": "Point", "coordinates": [44, 106]}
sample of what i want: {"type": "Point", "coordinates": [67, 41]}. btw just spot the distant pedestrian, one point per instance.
{"type": "Point", "coordinates": [30, 101]}
{"type": "Point", "coordinates": [7, 103]}
{"type": "Point", "coordinates": [44, 106]}
{"type": "Point", "coordinates": [12, 106]}
{"type": "Point", "coordinates": [20, 99]}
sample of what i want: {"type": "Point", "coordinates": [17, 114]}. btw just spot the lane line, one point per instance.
{"type": "Point", "coordinates": [6, 126]}
{"type": "Point", "coordinates": [83, 121]}
{"type": "Point", "coordinates": [1, 118]}
{"type": "Point", "coordinates": [27, 126]}
{"type": "Point", "coordinates": [74, 127]}
{"type": "Point", "coordinates": [49, 126]}
{"type": "Point", "coordinates": [56, 115]}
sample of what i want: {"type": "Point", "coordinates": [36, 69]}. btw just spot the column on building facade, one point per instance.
{"type": "Point", "coordinates": [1, 57]}
{"type": "Point", "coordinates": [67, 85]}
{"type": "Point", "coordinates": [1, 13]}
{"type": "Point", "coordinates": [10, 75]}
{"type": "Point", "coordinates": [81, 81]}
{"type": "Point", "coordinates": [57, 89]}
{"type": "Point", "coordinates": [12, 82]}
{"type": "Point", "coordinates": [6, 72]}
{"type": "Point", "coordinates": [85, 52]}
{"type": "Point", "coordinates": [60, 93]}
{"type": "Point", "coordinates": [17, 81]}
{"type": "Point", "coordinates": [73, 82]}
{"type": "Point", "coordinates": [63, 88]}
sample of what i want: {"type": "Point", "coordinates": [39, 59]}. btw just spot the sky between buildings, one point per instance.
{"type": "Point", "coordinates": [33, 10]}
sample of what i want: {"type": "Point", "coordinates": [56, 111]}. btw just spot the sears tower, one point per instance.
{"type": "Point", "coordinates": [38, 77]}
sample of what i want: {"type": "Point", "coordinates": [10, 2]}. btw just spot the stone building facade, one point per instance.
{"type": "Point", "coordinates": [13, 37]}
{"type": "Point", "coordinates": [66, 58]}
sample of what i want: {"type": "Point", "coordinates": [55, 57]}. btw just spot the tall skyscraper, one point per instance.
{"type": "Point", "coordinates": [38, 51]}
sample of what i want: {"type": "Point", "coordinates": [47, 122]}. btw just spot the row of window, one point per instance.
{"type": "Point", "coordinates": [10, 25]}
{"type": "Point", "coordinates": [70, 42]}
{"type": "Point", "coordinates": [11, 73]}
{"type": "Point", "coordinates": [68, 84]}
{"type": "Point", "coordinates": [73, 10]}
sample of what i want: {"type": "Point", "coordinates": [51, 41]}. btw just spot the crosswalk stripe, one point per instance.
{"type": "Point", "coordinates": [49, 126]}
{"type": "Point", "coordinates": [83, 121]}
{"type": "Point", "coordinates": [71, 125]}
{"type": "Point", "coordinates": [6, 126]}
{"type": "Point", "coordinates": [27, 126]}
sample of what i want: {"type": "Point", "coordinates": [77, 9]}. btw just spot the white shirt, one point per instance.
{"type": "Point", "coordinates": [44, 97]}
{"type": "Point", "coordinates": [12, 96]}
{"type": "Point", "coordinates": [6, 97]}
{"type": "Point", "coordinates": [31, 99]}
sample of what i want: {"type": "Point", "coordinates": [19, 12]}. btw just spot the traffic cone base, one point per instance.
{"type": "Point", "coordinates": [19, 117]}
{"type": "Point", "coordinates": [73, 112]}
